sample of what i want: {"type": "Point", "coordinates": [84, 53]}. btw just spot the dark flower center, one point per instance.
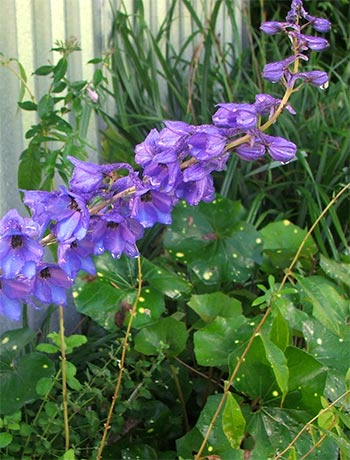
{"type": "Point", "coordinates": [16, 241]}
{"type": "Point", "coordinates": [73, 205]}
{"type": "Point", "coordinates": [74, 245]}
{"type": "Point", "coordinates": [146, 198]}
{"type": "Point", "coordinates": [112, 225]}
{"type": "Point", "coordinates": [45, 273]}
{"type": "Point", "coordinates": [0, 285]}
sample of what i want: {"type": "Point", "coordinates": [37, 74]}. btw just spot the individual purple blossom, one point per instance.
{"type": "Point", "coordinates": [273, 27]}
{"type": "Point", "coordinates": [19, 249]}
{"type": "Point", "coordinates": [274, 71]}
{"type": "Point", "coordinates": [152, 207]}
{"type": "Point", "coordinates": [66, 209]}
{"type": "Point", "coordinates": [162, 177]}
{"type": "Point", "coordinates": [319, 24]}
{"type": "Point", "coordinates": [86, 177]}
{"type": "Point", "coordinates": [195, 191]}
{"type": "Point", "coordinates": [12, 293]}
{"type": "Point", "coordinates": [314, 77]}
{"type": "Point", "coordinates": [296, 11]}
{"type": "Point", "coordinates": [250, 151]}
{"type": "Point", "coordinates": [51, 283]}
{"type": "Point", "coordinates": [267, 105]}
{"type": "Point", "coordinates": [310, 42]}
{"type": "Point", "coordinates": [76, 256]}
{"type": "Point", "coordinates": [236, 116]}
{"type": "Point", "coordinates": [207, 142]}
{"type": "Point", "coordinates": [280, 149]}
{"type": "Point", "coordinates": [110, 234]}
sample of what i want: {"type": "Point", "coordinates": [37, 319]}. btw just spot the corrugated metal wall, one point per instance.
{"type": "Point", "coordinates": [28, 31]}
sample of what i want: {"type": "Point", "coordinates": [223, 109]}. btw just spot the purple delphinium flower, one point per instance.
{"type": "Point", "coordinates": [236, 116]}
{"type": "Point", "coordinates": [267, 105]}
{"type": "Point", "coordinates": [195, 191]}
{"type": "Point", "coordinates": [306, 42]}
{"type": "Point", "coordinates": [250, 152]}
{"type": "Point", "coordinates": [12, 293]}
{"type": "Point", "coordinates": [207, 142]}
{"type": "Point", "coordinates": [76, 256]}
{"type": "Point", "coordinates": [51, 283]}
{"type": "Point", "coordinates": [319, 24]}
{"type": "Point", "coordinates": [152, 207]}
{"type": "Point", "coordinates": [86, 177]}
{"type": "Point", "coordinates": [274, 71]}
{"type": "Point", "coordinates": [273, 27]}
{"type": "Point", "coordinates": [19, 249]}
{"type": "Point", "coordinates": [280, 149]}
{"type": "Point", "coordinates": [66, 209]}
{"type": "Point", "coordinates": [314, 77]}
{"type": "Point", "coordinates": [110, 233]}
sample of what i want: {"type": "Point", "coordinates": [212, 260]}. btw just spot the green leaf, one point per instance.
{"type": "Point", "coordinates": [281, 243]}
{"type": "Point", "coordinates": [278, 362]}
{"type": "Point", "coordinates": [279, 333]}
{"type": "Point", "coordinates": [29, 170]}
{"type": "Point", "coordinates": [74, 341]}
{"type": "Point", "coordinates": [71, 371]}
{"type": "Point", "coordinates": [43, 386]}
{"type": "Point", "coordinates": [164, 281]}
{"type": "Point", "coordinates": [5, 439]}
{"type": "Point", "coordinates": [45, 106]}
{"type": "Point", "coordinates": [214, 342]}
{"type": "Point", "coordinates": [213, 242]}
{"type": "Point", "coordinates": [15, 340]}
{"type": "Point", "coordinates": [233, 422]}
{"type": "Point", "coordinates": [18, 382]}
{"type": "Point", "coordinates": [69, 455]}
{"type": "Point", "coordinates": [209, 306]}
{"type": "Point", "coordinates": [47, 348]}
{"type": "Point", "coordinates": [339, 272]}
{"type": "Point", "coordinates": [330, 308]}
{"type": "Point", "coordinates": [166, 335]}
{"type": "Point", "coordinates": [307, 378]}
{"type": "Point", "coordinates": [28, 105]}
{"type": "Point", "coordinates": [60, 69]}
{"type": "Point", "coordinates": [44, 70]}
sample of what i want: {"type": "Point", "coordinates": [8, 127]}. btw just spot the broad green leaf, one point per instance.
{"type": "Point", "coordinates": [18, 382]}
{"type": "Point", "coordinates": [43, 386]}
{"type": "Point", "coordinates": [15, 340]}
{"type": "Point", "coordinates": [307, 378]}
{"type": "Point", "coordinates": [69, 455]}
{"type": "Point", "coordinates": [233, 422]}
{"type": "Point", "coordinates": [281, 243]}
{"type": "Point", "coordinates": [71, 371]}
{"type": "Point", "coordinates": [29, 170]}
{"type": "Point", "coordinates": [47, 348]}
{"type": "Point", "coordinates": [209, 306]}
{"type": "Point", "coordinates": [213, 241]}
{"type": "Point", "coordinates": [279, 333]}
{"type": "Point", "coordinates": [339, 272]}
{"type": "Point", "coordinates": [5, 439]}
{"type": "Point", "coordinates": [150, 307]}
{"type": "Point", "coordinates": [333, 351]}
{"type": "Point", "coordinates": [330, 308]}
{"type": "Point", "coordinates": [278, 362]}
{"type": "Point", "coordinates": [74, 341]}
{"type": "Point", "coordinates": [163, 280]}
{"type": "Point", "coordinates": [214, 342]}
{"type": "Point", "coordinates": [167, 335]}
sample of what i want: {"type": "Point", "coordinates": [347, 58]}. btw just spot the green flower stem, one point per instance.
{"type": "Point", "coordinates": [64, 378]}
{"type": "Point", "coordinates": [229, 383]}
{"type": "Point", "coordinates": [107, 425]}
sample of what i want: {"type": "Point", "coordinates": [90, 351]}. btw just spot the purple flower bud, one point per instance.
{"type": "Point", "coordinates": [314, 77]}
{"type": "Point", "coordinates": [279, 148]}
{"type": "Point", "coordinates": [238, 116]}
{"type": "Point", "coordinates": [274, 71]}
{"type": "Point", "coordinates": [92, 94]}
{"type": "Point", "coordinates": [250, 152]}
{"type": "Point", "coordinates": [312, 43]}
{"type": "Point", "coordinates": [319, 24]}
{"type": "Point", "coordinates": [272, 27]}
